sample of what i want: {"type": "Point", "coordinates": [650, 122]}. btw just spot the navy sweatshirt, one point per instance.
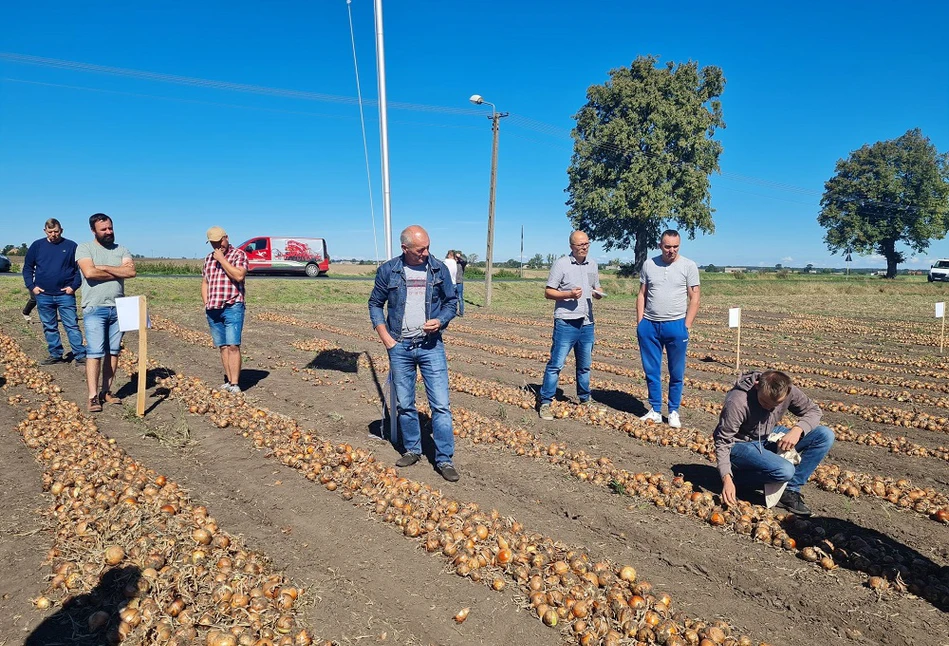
{"type": "Point", "coordinates": [52, 267]}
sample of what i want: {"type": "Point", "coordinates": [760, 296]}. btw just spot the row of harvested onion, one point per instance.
{"type": "Point", "coordinates": [175, 576]}
{"type": "Point", "coordinates": [595, 601]}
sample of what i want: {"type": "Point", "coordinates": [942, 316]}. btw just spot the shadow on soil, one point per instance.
{"type": "Point", "coordinates": [250, 378]}
{"type": "Point", "coordinates": [72, 624]}
{"type": "Point", "coordinates": [336, 359]}
{"type": "Point", "coordinates": [852, 547]}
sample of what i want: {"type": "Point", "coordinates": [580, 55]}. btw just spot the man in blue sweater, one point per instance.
{"type": "Point", "coordinates": [51, 274]}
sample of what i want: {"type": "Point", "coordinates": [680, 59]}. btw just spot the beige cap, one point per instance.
{"type": "Point", "coordinates": [215, 234]}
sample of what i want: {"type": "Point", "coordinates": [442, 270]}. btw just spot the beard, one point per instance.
{"type": "Point", "coordinates": [106, 239]}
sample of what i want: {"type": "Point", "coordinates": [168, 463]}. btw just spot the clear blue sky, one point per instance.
{"type": "Point", "coordinates": [806, 85]}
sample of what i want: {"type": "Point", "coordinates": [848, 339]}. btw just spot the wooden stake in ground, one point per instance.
{"type": "Point", "coordinates": [142, 354]}
{"type": "Point", "coordinates": [132, 312]}
{"type": "Point", "coordinates": [941, 314]}
{"type": "Point", "coordinates": [734, 320]}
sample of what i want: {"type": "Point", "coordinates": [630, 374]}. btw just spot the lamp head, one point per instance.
{"type": "Point", "coordinates": [477, 99]}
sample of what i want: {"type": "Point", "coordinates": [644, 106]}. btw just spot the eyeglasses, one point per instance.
{"type": "Point", "coordinates": [581, 246]}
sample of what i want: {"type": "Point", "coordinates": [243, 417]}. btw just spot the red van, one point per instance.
{"type": "Point", "coordinates": [273, 254]}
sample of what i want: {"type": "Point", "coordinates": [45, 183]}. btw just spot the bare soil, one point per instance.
{"type": "Point", "coordinates": [367, 583]}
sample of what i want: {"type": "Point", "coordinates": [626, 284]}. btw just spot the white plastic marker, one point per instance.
{"type": "Point", "coordinates": [941, 314]}
{"type": "Point", "coordinates": [132, 312]}
{"type": "Point", "coordinates": [600, 293]}
{"type": "Point", "coordinates": [734, 320]}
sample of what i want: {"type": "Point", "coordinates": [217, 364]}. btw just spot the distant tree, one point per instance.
{"type": "Point", "coordinates": [510, 263]}
{"type": "Point", "coordinates": [711, 269]}
{"type": "Point", "coordinates": [551, 259]}
{"type": "Point", "coordinates": [809, 266]}
{"type": "Point", "coordinates": [537, 262]}
{"type": "Point", "coordinates": [779, 266]}
{"type": "Point", "coordinates": [642, 154]}
{"type": "Point", "coordinates": [7, 249]}
{"type": "Point", "coordinates": [894, 191]}
{"type": "Point", "coordinates": [472, 258]}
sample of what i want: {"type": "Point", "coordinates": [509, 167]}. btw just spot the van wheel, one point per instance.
{"type": "Point", "coordinates": [929, 278]}
{"type": "Point", "coordinates": [312, 270]}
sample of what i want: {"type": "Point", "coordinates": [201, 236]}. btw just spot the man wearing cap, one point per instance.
{"type": "Point", "coordinates": [222, 288]}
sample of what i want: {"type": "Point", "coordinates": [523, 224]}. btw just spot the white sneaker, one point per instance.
{"type": "Point", "coordinates": [225, 387]}
{"type": "Point", "coordinates": [234, 388]}
{"type": "Point", "coordinates": [651, 416]}
{"type": "Point", "coordinates": [674, 420]}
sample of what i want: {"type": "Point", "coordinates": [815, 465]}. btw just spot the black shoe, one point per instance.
{"type": "Point", "coordinates": [449, 472]}
{"type": "Point", "coordinates": [51, 361]}
{"type": "Point", "coordinates": [408, 459]}
{"type": "Point", "coordinates": [794, 503]}
{"type": "Point", "coordinates": [81, 361]}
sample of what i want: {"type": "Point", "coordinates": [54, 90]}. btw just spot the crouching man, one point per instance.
{"type": "Point", "coordinates": [752, 410]}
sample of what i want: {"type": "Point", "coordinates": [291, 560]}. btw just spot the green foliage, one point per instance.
{"type": "Point", "coordinates": [628, 270]}
{"type": "Point", "coordinates": [739, 275]}
{"type": "Point", "coordinates": [711, 269]}
{"type": "Point", "coordinates": [642, 154]}
{"type": "Point", "coordinates": [537, 262]}
{"type": "Point", "coordinates": [894, 191]}
{"type": "Point", "coordinates": [169, 268]}
{"type": "Point", "coordinates": [783, 274]}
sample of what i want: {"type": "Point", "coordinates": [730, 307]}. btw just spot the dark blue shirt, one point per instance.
{"type": "Point", "coordinates": [52, 267]}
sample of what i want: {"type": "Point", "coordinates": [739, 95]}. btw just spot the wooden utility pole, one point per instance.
{"type": "Point", "coordinates": [495, 119]}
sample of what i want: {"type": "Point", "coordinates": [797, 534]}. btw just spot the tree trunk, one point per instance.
{"type": "Point", "coordinates": [888, 248]}
{"type": "Point", "coordinates": [641, 248]}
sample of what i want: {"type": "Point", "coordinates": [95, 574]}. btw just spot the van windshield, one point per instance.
{"type": "Point", "coordinates": [942, 264]}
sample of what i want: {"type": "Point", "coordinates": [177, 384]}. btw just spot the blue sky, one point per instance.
{"type": "Point", "coordinates": [806, 85]}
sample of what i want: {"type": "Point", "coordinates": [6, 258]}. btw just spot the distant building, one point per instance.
{"type": "Point", "coordinates": [734, 270]}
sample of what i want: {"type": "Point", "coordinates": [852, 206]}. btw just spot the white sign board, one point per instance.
{"type": "Point", "coordinates": [940, 310]}
{"type": "Point", "coordinates": [127, 309]}
{"type": "Point", "coordinates": [734, 317]}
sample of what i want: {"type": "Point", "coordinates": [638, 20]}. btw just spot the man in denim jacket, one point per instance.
{"type": "Point", "coordinates": [420, 300]}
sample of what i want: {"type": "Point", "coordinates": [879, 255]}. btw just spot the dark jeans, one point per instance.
{"type": "Point", "coordinates": [65, 305]}
{"type": "Point", "coordinates": [460, 292]}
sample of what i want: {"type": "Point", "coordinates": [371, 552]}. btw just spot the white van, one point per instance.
{"type": "Point", "coordinates": [939, 270]}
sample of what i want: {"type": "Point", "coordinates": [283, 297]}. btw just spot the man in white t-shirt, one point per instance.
{"type": "Point", "coordinates": [666, 306]}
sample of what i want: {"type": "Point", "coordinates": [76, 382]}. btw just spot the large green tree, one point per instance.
{"type": "Point", "coordinates": [891, 192]}
{"type": "Point", "coordinates": [643, 152]}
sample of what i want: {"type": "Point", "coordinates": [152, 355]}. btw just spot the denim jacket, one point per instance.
{"type": "Point", "coordinates": [390, 290]}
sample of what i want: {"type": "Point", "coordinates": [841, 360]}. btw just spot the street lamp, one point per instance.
{"type": "Point", "coordinates": [495, 117]}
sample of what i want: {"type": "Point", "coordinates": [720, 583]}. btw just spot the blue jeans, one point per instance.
{"type": "Point", "coordinates": [755, 463]}
{"type": "Point", "coordinates": [427, 355]}
{"type": "Point", "coordinates": [102, 331]}
{"type": "Point", "coordinates": [569, 334]}
{"type": "Point", "coordinates": [226, 324]}
{"type": "Point", "coordinates": [65, 304]}
{"type": "Point", "coordinates": [653, 337]}
{"type": "Point", "coordinates": [460, 293]}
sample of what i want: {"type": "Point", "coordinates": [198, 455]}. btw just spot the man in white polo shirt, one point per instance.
{"type": "Point", "coordinates": [666, 306]}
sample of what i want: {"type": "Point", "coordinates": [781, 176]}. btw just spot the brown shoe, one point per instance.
{"type": "Point", "coordinates": [109, 398]}
{"type": "Point", "coordinates": [94, 405]}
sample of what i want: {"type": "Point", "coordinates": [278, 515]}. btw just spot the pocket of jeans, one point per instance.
{"type": "Point", "coordinates": [88, 309]}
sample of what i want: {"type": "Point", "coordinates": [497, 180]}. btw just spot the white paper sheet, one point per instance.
{"type": "Point", "coordinates": [127, 309]}
{"type": "Point", "coordinates": [734, 317]}
{"type": "Point", "coordinates": [940, 310]}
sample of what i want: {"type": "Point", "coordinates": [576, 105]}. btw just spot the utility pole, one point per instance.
{"type": "Point", "coordinates": [495, 118]}
{"type": "Point", "coordinates": [522, 252]}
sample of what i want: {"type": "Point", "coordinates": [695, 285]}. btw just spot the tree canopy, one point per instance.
{"type": "Point", "coordinates": [894, 191]}
{"type": "Point", "coordinates": [643, 152]}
